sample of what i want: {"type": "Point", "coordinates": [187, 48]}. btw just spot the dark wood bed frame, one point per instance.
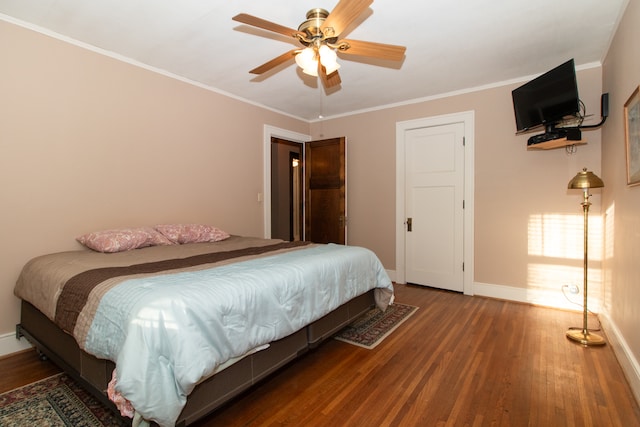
{"type": "Point", "coordinates": [94, 374]}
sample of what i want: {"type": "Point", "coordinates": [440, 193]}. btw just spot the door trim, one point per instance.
{"type": "Point", "coordinates": [468, 118]}
{"type": "Point", "coordinates": [272, 131]}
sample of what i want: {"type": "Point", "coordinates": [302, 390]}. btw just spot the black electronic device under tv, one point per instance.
{"type": "Point", "coordinates": [547, 100]}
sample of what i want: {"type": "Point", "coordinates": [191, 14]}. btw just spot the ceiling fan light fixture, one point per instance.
{"type": "Point", "coordinates": [312, 70]}
{"type": "Point", "coordinates": [328, 58]}
{"type": "Point", "coordinates": [306, 58]}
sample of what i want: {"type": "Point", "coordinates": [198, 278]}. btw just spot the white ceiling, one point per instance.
{"type": "Point", "coordinates": [452, 45]}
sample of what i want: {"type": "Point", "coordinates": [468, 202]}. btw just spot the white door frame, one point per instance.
{"type": "Point", "coordinates": [468, 118]}
{"type": "Point", "coordinates": [272, 131]}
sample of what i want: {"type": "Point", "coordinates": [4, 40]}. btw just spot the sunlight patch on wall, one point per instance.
{"type": "Point", "coordinates": [556, 244]}
{"type": "Point", "coordinates": [609, 238]}
{"type": "Point", "coordinates": [609, 230]}
{"type": "Point", "coordinates": [561, 236]}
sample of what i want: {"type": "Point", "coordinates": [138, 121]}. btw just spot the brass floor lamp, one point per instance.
{"type": "Point", "coordinates": [585, 180]}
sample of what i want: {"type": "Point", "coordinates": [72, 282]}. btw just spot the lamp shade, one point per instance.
{"type": "Point", "coordinates": [306, 58]}
{"type": "Point", "coordinates": [308, 61]}
{"type": "Point", "coordinates": [585, 179]}
{"type": "Point", "coordinates": [328, 58]}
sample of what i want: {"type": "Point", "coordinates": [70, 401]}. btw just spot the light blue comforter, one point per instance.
{"type": "Point", "coordinates": [168, 332]}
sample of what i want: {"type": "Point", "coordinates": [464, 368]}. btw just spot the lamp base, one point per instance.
{"type": "Point", "coordinates": [585, 338]}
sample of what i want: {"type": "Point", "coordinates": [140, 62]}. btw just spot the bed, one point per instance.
{"type": "Point", "coordinates": [183, 328]}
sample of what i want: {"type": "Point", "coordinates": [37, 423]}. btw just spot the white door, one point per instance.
{"type": "Point", "coordinates": [434, 206]}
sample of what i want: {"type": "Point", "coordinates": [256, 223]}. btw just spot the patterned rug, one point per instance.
{"type": "Point", "coordinates": [375, 325]}
{"type": "Point", "coordinates": [54, 401]}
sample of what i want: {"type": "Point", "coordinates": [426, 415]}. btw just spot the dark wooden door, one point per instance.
{"type": "Point", "coordinates": [325, 183]}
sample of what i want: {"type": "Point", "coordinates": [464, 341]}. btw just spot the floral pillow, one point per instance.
{"type": "Point", "coordinates": [191, 233]}
{"type": "Point", "coordinates": [119, 240]}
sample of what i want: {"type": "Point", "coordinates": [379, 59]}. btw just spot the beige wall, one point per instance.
{"type": "Point", "coordinates": [513, 187]}
{"type": "Point", "coordinates": [88, 142]}
{"type": "Point", "coordinates": [621, 77]}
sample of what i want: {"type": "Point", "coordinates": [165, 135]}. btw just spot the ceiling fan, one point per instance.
{"type": "Point", "coordinates": [320, 37]}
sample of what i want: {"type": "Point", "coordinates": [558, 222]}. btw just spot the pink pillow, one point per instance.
{"type": "Point", "coordinates": [191, 233]}
{"type": "Point", "coordinates": [125, 239]}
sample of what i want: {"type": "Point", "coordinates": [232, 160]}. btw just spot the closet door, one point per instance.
{"type": "Point", "coordinates": [434, 197]}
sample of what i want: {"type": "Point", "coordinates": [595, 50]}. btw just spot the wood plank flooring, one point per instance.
{"type": "Point", "coordinates": [459, 361]}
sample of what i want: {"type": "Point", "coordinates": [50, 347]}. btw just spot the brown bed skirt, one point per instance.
{"type": "Point", "coordinates": [94, 374]}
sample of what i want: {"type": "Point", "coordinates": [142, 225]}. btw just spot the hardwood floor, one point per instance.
{"type": "Point", "coordinates": [23, 368]}
{"type": "Point", "coordinates": [459, 361]}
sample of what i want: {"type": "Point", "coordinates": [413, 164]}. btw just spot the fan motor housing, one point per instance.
{"type": "Point", "coordinates": [312, 27]}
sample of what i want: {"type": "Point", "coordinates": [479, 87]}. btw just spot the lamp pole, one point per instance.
{"type": "Point", "coordinates": [585, 181]}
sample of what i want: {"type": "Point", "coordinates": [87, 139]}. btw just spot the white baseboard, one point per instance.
{"type": "Point", "coordinates": [9, 344]}
{"type": "Point", "coordinates": [544, 297]}
{"type": "Point", "coordinates": [500, 292]}
{"type": "Point", "coordinates": [625, 356]}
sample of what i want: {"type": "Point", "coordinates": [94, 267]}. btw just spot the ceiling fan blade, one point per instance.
{"type": "Point", "coordinates": [274, 62]}
{"type": "Point", "coordinates": [345, 12]}
{"type": "Point", "coordinates": [375, 50]}
{"type": "Point", "coordinates": [265, 25]}
{"type": "Point", "coordinates": [331, 80]}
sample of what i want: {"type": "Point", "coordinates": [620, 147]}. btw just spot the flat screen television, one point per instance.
{"type": "Point", "coordinates": [547, 99]}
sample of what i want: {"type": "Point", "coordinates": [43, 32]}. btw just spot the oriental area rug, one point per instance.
{"type": "Point", "coordinates": [57, 401]}
{"type": "Point", "coordinates": [375, 325]}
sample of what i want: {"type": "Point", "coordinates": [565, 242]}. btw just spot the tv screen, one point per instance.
{"type": "Point", "coordinates": [547, 99]}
